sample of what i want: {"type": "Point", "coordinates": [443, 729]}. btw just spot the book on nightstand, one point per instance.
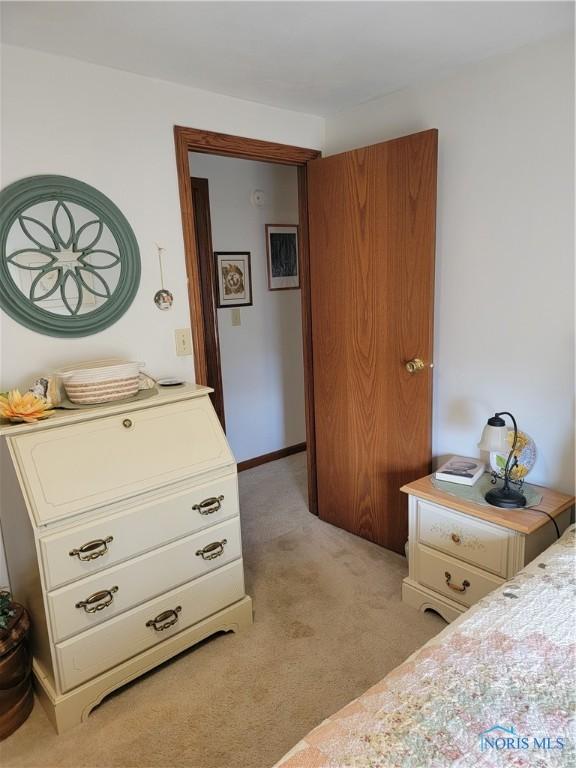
{"type": "Point", "coordinates": [460, 469]}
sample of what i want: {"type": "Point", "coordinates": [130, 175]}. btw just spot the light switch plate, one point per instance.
{"type": "Point", "coordinates": [183, 341]}
{"type": "Point", "coordinates": [235, 316]}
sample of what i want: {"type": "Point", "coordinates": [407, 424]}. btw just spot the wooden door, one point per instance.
{"type": "Point", "coordinates": [372, 234]}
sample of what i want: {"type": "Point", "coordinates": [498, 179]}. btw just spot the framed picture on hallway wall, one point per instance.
{"type": "Point", "coordinates": [234, 277]}
{"type": "Point", "coordinates": [282, 257]}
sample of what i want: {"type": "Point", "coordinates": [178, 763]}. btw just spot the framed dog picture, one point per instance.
{"type": "Point", "coordinates": [282, 257]}
{"type": "Point", "coordinates": [234, 277]}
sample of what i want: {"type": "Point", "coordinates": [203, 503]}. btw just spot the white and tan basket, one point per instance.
{"type": "Point", "coordinates": [101, 381]}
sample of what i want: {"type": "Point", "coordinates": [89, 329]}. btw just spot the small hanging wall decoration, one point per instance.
{"type": "Point", "coordinates": [162, 298]}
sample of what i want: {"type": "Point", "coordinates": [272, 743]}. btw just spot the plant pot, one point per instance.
{"type": "Point", "coordinates": [16, 695]}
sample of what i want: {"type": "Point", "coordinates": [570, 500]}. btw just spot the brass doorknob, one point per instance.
{"type": "Point", "coordinates": [412, 366]}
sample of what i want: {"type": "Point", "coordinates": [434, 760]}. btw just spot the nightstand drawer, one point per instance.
{"type": "Point", "coordinates": [462, 583]}
{"type": "Point", "coordinates": [463, 537]}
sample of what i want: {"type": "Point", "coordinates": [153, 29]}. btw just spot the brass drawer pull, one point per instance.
{"type": "Point", "coordinates": [165, 619]}
{"type": "Point", "coordinates": [455, 587]}
{"type": "Point", "coordinates": [98, 601]}
{"type": "Point", "coordinates": [92, 549]}
{"type": "Point", "coordinates": [209, 506]}
{"type": "Point", "coordinates": [211, 551]}
{"type": "Point", "coordinates": [455, 538]}
{"type": "Point", "coordinates": [127, 423]}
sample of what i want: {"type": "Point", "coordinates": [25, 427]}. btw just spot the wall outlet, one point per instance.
{"type": "Point", "coordinates": [183, 341]}
{"type": "Point", "coordinates": [235, 315]}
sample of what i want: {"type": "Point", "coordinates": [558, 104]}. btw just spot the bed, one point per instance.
{"type": "Point", "coordinates": [497, 687]}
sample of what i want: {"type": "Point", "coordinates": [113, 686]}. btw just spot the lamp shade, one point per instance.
{"type": "Point", "coordinates": [494, 439]}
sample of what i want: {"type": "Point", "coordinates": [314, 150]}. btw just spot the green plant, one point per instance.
{"type": "Point", "coordinates": [6, 608]}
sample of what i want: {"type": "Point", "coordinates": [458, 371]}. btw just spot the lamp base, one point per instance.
{"type": "Point", "coordinates": [505, 497]}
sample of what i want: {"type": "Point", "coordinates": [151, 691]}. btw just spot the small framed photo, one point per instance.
{"type": "Point", "coordinates": [282, 257]}
{"type": "Point", "coordinates": [234, 278]}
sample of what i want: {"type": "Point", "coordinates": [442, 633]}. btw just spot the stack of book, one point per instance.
{"type": "Point", "coordinates": [460, 469]}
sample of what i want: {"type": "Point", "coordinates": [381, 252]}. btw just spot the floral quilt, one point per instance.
{"type": "Point", "coordinates": [495, 688]}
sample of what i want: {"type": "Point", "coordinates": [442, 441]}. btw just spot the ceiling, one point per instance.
{"type": "Point", "coordinates": [316, 57]}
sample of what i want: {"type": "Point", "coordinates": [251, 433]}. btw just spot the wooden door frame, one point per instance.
{"type": "Point", "coordinates": [195, 140]}
{"type": "Point", "coordinates": [204, 252]}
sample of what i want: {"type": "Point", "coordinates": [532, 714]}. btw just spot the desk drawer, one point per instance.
{"type": "Point", "coordinates": [463, 537]}
{"type": "Point", "coordinates": [118, 589]}
{"type": "Point", "coordinates": [452, 578]}
{"type": "Point", "coordinates": [97, 650]}
{"type": "Point", "coordinates": [110, 540]}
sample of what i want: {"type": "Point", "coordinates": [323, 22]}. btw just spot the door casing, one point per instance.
{"type": "Point", "coordinates": [204, 250]}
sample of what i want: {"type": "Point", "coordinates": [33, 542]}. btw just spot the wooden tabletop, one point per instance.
{"type": "Point", "coordinates": [522, 520]}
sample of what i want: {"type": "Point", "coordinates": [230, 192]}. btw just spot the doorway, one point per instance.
{"type": "Point", "coordinates": [367, 317]}
{"type": "Point", "coordinates": [248, 261]}
{"type": "Point", "coordinates": [194, 197]}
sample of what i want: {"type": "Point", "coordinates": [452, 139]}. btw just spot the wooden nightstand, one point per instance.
{"type": "Point", "coordinates": [459, 551]}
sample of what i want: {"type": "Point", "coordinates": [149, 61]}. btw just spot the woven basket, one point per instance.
{"type": "Point", "coordinates": [16, 695]}
{"type": "Point", "coordinates": [101, 382]}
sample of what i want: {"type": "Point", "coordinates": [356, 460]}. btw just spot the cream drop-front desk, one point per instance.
{"type": "Point", "coordinates": [122, 535]}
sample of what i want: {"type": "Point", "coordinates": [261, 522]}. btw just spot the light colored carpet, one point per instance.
{"type": "Point", "coordinates": [329, 623]}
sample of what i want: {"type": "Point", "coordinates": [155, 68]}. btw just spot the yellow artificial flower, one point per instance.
{"type": "Point", "coordinates": [27, 407]}
{"type": "Point", "coordinates": [521, 442]}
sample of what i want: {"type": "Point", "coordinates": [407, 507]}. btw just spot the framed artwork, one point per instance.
{"type": "Point", "coordinates": [234, 278]}
{"type": "Point", "coordinates": [282, 257]}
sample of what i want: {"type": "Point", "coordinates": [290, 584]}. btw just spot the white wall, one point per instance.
{"type": "Point", "coordinates": [262, 364]}
{"type": "Point", "coordinates": [114, 130]}
{"type": "Point", "coordinates": [504, 311]}
{"type": "Point", "coordinates": [505, 247]}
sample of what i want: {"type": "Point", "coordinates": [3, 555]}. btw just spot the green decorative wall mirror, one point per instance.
{"type": "Point", "coordinates": [69, 260]}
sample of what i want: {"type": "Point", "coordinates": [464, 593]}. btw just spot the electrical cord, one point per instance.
{"type": "Point", "coordinates": [549, 516]}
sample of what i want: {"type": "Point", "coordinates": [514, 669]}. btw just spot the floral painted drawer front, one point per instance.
{"type": "Point", "coordinates": [495, 688]}
{"type": "Point", "coordinates": [466, 538]}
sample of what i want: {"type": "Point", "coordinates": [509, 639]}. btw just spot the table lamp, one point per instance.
{"type": "Point", "coordinates": [495, 440]}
